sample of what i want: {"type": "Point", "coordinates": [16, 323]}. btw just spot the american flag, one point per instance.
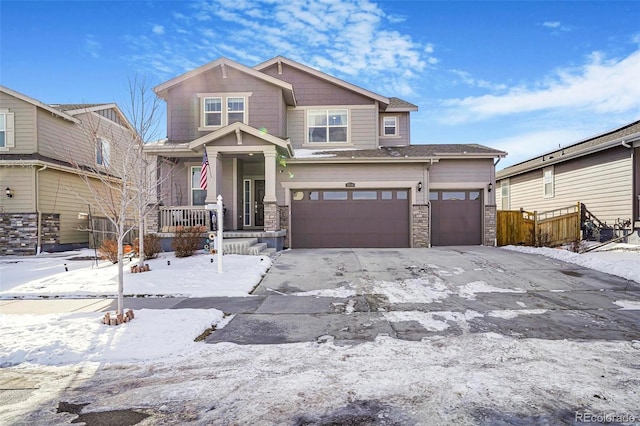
{"type": "Point", "coordinates": [204, 171]}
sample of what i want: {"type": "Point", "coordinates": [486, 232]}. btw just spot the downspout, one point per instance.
{"type": "Point", "coordinates": [38, 212]}
{"type": "Point", "coordinates": [625, 144]}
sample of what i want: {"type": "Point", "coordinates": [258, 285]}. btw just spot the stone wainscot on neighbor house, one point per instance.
{"type": "Point", "coordinates": [601, 172]}
{"type": "Point", "coordinates": [305, 160]}
{"type": "Point", "coordinates": [42, 148]}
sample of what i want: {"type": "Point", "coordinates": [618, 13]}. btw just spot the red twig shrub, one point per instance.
{"type": "Point", "coordinates": [186, 240]}
{"type": "Point", "coordinates": [109, 250]}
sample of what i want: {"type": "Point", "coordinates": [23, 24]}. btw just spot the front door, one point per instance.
{"type": "Point", "coordinates": [259, 203]}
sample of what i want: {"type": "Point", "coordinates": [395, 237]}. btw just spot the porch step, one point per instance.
{"type": "Point", "coordinates": [257, 249]}
{"type": "Point", "coordinates": [238, 245]}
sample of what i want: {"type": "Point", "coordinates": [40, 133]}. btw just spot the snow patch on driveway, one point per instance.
{"type": "Point", "coordinates": [628, 305]}
{"type": "Point", "coordinates": [511, 313]}
{"type": "Point", "coordinates": [468, 291]}
{"type": "Point", "coordinates": [419, 290]}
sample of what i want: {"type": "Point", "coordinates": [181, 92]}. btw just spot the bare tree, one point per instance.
{"type": "Point", "coordinates": [108, 162]}
{"type": "Point", "coordinates": [142, 110]}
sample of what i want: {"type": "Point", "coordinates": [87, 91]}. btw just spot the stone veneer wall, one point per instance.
{"type": "Point", "coordinates": [19, 232]}
{"type": "Point", "coordinates": [271, 217]}
{"type": "Point", "coordinates": [284, 222]}
{"type": "Point", "coordinates": [420, 226]}
{"type": "Point", "coordinates": [490, 215]}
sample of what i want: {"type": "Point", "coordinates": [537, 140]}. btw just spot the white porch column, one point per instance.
{"type": "Point", "coordinates": [214, 177]}
{"type": "Point", "coordinates": [270, 176]}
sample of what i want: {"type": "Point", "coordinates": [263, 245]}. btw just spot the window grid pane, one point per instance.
{"type": "Point", "coordinates": [327, 125]}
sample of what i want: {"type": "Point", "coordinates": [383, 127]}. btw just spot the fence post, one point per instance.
{"type": "Point", "coordinates": [578, 236]}
{"type": "Point", "coordinates": [535, 228]}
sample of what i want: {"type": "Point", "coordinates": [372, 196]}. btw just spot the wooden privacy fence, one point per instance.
{"type": "Point", "coordinates": [551, 228]}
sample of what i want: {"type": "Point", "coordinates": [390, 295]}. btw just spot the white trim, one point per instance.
{"type": "Point", "coordinates": [224, 108]}
{"type": "Point", "coordinates": [552, 182]}
{"type": "Point", "coordinates": [161, 89]}
{"type": "Point", "coordinates": [248, 202]}
{"type": "Point", "coordinates": [38, 104]}
{"type": "Point", "coordinates": [308, 143]}
{"type": "Point", "coordinates": [412, 185]}
{"type": "Point", "coordinates": [396, 133]}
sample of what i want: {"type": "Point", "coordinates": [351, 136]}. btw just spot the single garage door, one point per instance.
{"type": "Point", "coordinates": [349, 218]}
{"type": "Point", "coordinates": [456, 218]}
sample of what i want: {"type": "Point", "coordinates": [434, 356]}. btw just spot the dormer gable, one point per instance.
{"type": "Point", "coordinates": [276, 66]}
{"type": "Point", "coordinates": [220, 66]}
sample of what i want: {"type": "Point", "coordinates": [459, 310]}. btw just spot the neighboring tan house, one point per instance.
{"type": "Point", "coordinates": [306, 160]}
{"type": "Point", "coordinates": [42, 147]}
{"type": "Point", "coordinates": [601, 172]}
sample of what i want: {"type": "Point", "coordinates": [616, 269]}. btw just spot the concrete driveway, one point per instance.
{"type": "Point", "coordinates": [354, 295]}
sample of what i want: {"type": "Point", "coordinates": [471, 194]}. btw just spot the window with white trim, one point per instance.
{"type": "Point", "coordinates": [548, 182]}
{"type": "Point", "coordinates": [328, 126]}
{"type": "Point", "coordinates": [6, 129]}
{"type": "Point", "coordinates": [198, 195]}
{"type": "Point", "coordinates": [103, 152]}
{"type": "Point", "coordinates": [212, 111]}
{"type": "Point", "coordinates": [222, 109]}
{"type": "Point", "coordinates": [390, 126]}
{"type": "Point", "coordinates": [3, 130]}
{"type": "Point", "coordinates": [504, 194]}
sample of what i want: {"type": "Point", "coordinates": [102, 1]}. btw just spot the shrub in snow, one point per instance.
{"type": "Point", "coordinates": [187, 240]}
{"type": "Point", "coordinates": [109, 250]}
{"type": "Point", "coordinates": [152, 246]}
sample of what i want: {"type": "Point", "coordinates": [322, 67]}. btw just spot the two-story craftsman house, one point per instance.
{"type": "Point", "coordinates": [44, 201]}
{"type": "Point", "coordinates": [306, 160]}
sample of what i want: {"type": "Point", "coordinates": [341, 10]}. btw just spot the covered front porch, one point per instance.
{"type": "Point", "coordinates": [241, 166]}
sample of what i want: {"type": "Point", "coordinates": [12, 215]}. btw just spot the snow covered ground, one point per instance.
{"type": "Point", "coordinates": [153, 365]}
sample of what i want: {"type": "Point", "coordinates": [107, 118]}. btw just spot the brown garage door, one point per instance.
{"type": "Point", "coordinates": [349, 218]}
{"type": "Point", "coordinates": [456, 218]}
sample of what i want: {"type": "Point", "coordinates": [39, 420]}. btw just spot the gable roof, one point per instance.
{"type": "Point", "coordinates": [161, 89]}
{"type": "Point", "coordinates": [38, 104]}
{"type": "Point", "coordinates": [612, 138]}
{"type": "Point", "coordinates": [338, 82]}
{"type": "Point", "coordinates": [75, 109]}
{"type": "Point", "coordinates": [400, 105]}
{"type": "Point", "coordinates": [241, 127]}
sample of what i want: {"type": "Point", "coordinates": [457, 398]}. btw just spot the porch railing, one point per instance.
{"type": "Point", "coordinates": [183, 216]}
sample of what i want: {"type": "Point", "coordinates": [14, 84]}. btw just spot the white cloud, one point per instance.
{"type": "Point", "coordinates": [158, 29]}
{"type": "Point", "coordinates": [599, 86]}
{"type": "Point", "coordinates": [554, 24]}
{"type": "Point", "coordinates": [352, 39]}
{"type": "Point", "coordinates": [91, 46]}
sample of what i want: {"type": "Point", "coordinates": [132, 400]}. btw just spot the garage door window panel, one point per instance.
{"type": "Point", "coordinates": [454, 196]}
{"type": "Point", "coordinates": [402, 195]}
{"type": "Point", "coordinates": [335, 195]}
{"type": "Point", "coordinates": [365, 195]}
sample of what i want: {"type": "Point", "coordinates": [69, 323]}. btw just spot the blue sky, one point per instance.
{"type": "Point", "coordinates": [524, 77]}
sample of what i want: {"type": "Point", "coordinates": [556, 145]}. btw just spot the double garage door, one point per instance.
{"type": "Point", "coordinates": [380, 218]}
{"type": "Point", "coordinates": [350, 218]}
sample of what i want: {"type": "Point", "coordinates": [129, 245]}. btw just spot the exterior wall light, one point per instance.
{"type": "Point", "coordinates": [489, 187]}
{"type": "Point", "coordinates": [419, 186]}
{"type": "Point", "coordinates": [9, 192]}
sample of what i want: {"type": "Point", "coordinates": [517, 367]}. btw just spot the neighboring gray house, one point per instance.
{"type": "Point", "coordinates": [41, 148]}
{"type": "Point", "coordinates": [306, 160]}
{"type": "Point", "coordinates": [601, 172]}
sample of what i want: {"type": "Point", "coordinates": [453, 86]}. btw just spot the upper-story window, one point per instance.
{"type": "Point", "coordinates": [390, 126]}
{"type": "Point", "coordinates": [328, 126]}
{"type": "Point", "coordinates": [212, 111]}
{"type": "Point", "coordinates": [548, 182]}
{"type": "Point", "coordinates": [103, 152]}
{"type": "Point", "coordinates": [6, 129]}
{"type": "Point", "coordinates": [3, 130]}
{"type": "Point", "coordinates": [504, 194]}
{"type": "Point", "coordinates": [222, 109]}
